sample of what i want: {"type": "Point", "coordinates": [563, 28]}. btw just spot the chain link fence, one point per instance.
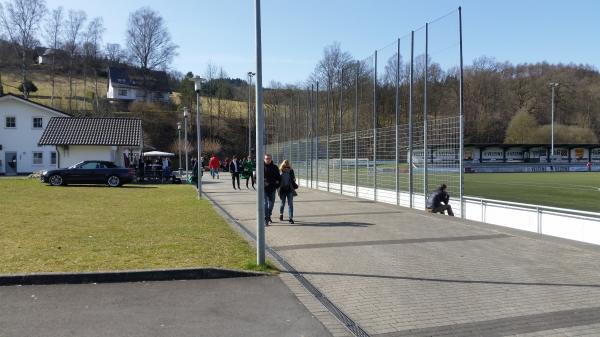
{"type": "Point", "coordinates": [387, 128]}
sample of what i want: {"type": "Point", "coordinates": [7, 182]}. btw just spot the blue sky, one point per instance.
{"type": "Point", "coordinates": [295, 32]}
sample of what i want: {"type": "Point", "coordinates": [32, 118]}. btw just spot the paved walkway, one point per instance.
{"type": "Point", "coordinates": [400, 272]}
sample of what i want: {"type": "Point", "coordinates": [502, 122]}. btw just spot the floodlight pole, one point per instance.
{"type": "Point", "coordinates": [197, 88]}
{"type": "Point", "coordinates": [552, 85]}
{"type": "Point", "coordinates": [250, 74]}
{"type": "Point", "coordinates": [260, 164]}
{"type": "Point", "coordinates": [185, 118]}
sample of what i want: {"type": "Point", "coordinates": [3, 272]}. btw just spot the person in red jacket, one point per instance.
{"type": "Point", "coordinates": [214, 165]}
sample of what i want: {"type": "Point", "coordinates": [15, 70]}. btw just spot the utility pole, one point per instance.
{"type": "Point", "coordinates": [179, 139]}
{"type": "Point", "coordinates": [185, 144]}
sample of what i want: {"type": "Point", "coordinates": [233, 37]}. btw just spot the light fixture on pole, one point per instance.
{"type": "Point", "coordinates": [553, 85]}
{"type": "Point", "coordinates": [197, 87]}
{"type": "Point", "coordinates": [185, 142]}
{"type": "Point", "coordinates": [250, 74]}
{"type": "Point", "coordinates": [179, 145]}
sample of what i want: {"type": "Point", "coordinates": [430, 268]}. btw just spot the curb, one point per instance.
{"type": "Point", "coordinates": [124, 276]}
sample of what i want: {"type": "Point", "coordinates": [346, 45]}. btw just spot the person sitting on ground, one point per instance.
{"type": "Point", "coordinates": [438, 201]}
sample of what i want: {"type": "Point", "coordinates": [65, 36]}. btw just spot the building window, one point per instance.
{"type": "Point", "coordinates": [11, 122]}
{"type": "Point", "coordinates": [37, 122]}
{"type": "Point", "coordinates": [53, 158]}
{"type": "Point", "coordinates": [122, 92]}
{"type": "Point", "coordinates": [38, 158]}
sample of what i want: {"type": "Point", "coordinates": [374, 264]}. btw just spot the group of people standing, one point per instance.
{"type": "Point", "coordinates": [246, 168]}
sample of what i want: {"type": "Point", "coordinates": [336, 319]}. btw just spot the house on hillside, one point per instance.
{"type": "Point", "coordinates": [22, 123]}
{"type": "Point", "coordinates": [118, 140]}
{"type": "Point", "coordinates": [131, 84]}
{"type": "Point", "coordinates": [43, 55]}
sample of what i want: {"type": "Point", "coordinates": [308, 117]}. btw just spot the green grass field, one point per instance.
{"type": "Point", "coordinates": [92, 228]}
{"type": "Point", "coordinates": [575, 190]}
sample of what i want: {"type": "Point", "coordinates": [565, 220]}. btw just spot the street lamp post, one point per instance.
{"type": "Point", "coordinates": [179, 145]}
{"type": "Point", "coordinates": [260, 210]}
{"type": "Point", "coordinates": [250, 74]}
{"type": "Point", "coordinates": [553, 85]}
{"type": "Point", "coordinates": [197, 88]}
{"type": "Point", "coordinates": [185, 142]}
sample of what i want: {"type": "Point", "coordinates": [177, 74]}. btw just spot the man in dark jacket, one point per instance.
{"type": "Point", "coordinates": [438, 201]}
{"type": "Point", "coordinates": [272, 181]}
{"type": "Point", "coordinates": [235, 168]}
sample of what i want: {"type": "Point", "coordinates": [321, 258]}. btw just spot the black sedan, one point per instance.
{"type": "Point", "coordinates": [89, 172]}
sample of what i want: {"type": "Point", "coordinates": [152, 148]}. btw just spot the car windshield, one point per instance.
{"type": "Point", "coordinates": [76, 165]}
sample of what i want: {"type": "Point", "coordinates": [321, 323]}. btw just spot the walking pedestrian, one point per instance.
{"type": "Point", "coordinates": [235, 168]}
{"type": "Point", "coordinates": [214, 165]}
{"type": "Point", "coordinates": [248, 171]}
{"type": "Point", "coordinates": [272, 180]}
{"type": "Point", "coordinates": [287, 190]}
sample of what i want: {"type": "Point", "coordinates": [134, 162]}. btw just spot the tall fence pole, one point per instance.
{"type": "Point", "coordinates": [306, 142]}
{"type": "Point", "coordinates": [410, 115]}
{"type": "Point", "coordinates": [461, 121]}
{"type": "Point", "coordinates": [375, 125]}
{"type": "Point", "coordinates": [260, 210]}
{"type": "Point", "coordinates": [356, 130]}
{"type": "Point", "coordinates": [397, 159]}
{"type": "Point", "coordinates": [312, 131]}
{"type": "Point", "coordinates": [425, 156]}
{"type": "Point", "coordinates": [317, 131]}
{"type": "Point", "coordinates": [298, 116]}
{"type": "Point", "coordinates": [285, 109]}
{"type": "Point", "coordinates": [327, 131]}
{"type": "Point", "coordinates": [340, 131]}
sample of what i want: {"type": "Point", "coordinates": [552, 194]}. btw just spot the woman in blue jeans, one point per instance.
{"type": "Point", "coordinates": [287, 189]}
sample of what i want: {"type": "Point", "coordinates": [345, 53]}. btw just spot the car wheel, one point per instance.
{"type": "Point", "coordinates": [56, 180]}
{"type": "Point", "coordinates": [113, 181]}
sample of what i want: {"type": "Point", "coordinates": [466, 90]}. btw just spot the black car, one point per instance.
{"type": "Point", "coordinates": [89, 172]}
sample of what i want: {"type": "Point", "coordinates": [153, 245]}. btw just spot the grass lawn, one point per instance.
{"type": "Point", "coordinates": [575, 190]}
{"type": "Point", "coordinates": [93, 228]}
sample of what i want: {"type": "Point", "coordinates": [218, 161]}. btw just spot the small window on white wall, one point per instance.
{"type": "Point", "coordinates": [38, 158]}
{"type": "Point", "coordinates": [53, 158]}
{"type": "Point", "coordinates": [11, 122]}
{"type": "Point", "coordinates": [122, 92]}
{"type": "Point", "coordinates": [38, 123]}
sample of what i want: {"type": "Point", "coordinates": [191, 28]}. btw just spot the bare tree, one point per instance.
{"type": "Point", "coordinates": [328, 68]}
{"type": "Point", "coordinates": [93, 39]}
{"type": "Point", "coordinates": [209, 75]}
{"type": "Point", "coordinates": [20, 21]}
{"type": "Point", "coordinates": [72, 44]}
{"type": "Point", "coordinates": [114, 53]}
{"type": "Point", "coordinates": [148, 41]}
{"type": "Point", "coordinates": [53, 31]}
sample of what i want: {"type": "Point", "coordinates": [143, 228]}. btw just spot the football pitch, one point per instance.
{"type": "Point", "coordinates": [574, 190]}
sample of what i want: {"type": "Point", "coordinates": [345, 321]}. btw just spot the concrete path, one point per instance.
{"type": "Point", "coordinates": [400, 272]}
{"type": "Point", "coordinates": [249, 306]}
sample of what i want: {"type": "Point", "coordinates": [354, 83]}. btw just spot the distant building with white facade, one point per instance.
{"type": "Point", "coordinates": [22, 124]}
{"type": "Point", "coordinates": [131, 85]}
{"type": "Point", "coordinates": [118, 140]}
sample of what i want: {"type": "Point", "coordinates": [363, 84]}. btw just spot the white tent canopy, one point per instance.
{"type": "Point", "coordinates": [158, 154]}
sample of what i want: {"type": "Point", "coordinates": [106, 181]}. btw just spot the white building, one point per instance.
{"type": "Point", "coordinates": [22, 124]}
{"type": "Point", "coordinates": [77, 139]}
{"type": "Point", "coordinates": [129, 85]}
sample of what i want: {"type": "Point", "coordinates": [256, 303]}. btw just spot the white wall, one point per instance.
{"type": "Point", "coordinates": [73, 154]}
{"type": "Point", "coordinates": [24, 138]}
